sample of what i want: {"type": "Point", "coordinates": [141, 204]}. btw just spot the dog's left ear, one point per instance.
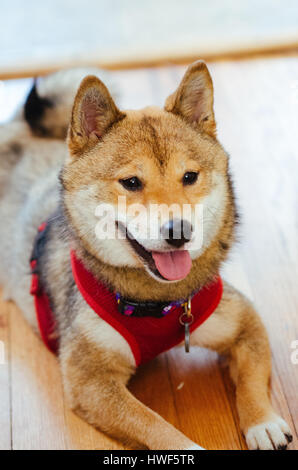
{"type": "Point", "coordinates": [193, 100]}
{"type": "Point", "coordinates": [93, 113]}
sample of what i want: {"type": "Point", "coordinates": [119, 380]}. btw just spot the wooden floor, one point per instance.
{"type": "Point", "coordinates": [256, 105]}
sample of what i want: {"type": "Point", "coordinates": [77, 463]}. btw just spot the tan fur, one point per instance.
{"type": "Point", "coordinates": [159, 146]}
{"type": "Point", "coordinates": [130, 147]}
{"type": "Point", "coordinates": [95, 383]}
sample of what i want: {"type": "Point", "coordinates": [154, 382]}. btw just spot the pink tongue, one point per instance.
{"type": "Point", "coordinates": [172, 265]}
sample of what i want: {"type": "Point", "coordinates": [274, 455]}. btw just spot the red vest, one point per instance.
{"type": "Point", "coordinates": [146, 336]}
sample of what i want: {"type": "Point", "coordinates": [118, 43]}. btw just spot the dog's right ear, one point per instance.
{"type": "Point", "coordinates": [93, 112]}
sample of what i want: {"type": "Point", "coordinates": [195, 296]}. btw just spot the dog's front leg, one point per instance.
{"type": "Point", "coordinates": [95, 384]}
{"type": "Point", "coordinates": [236, 329]}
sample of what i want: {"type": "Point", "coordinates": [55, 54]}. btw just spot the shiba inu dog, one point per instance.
{"type": "Point", "coordinates": [169, 157]}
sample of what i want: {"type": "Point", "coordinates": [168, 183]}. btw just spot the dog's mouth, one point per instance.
{"type": "Point", "coordinates": [167, 265]}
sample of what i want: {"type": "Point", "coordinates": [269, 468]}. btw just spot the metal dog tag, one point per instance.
{"type": "Point", "coordinates": [186, 320]}
{"type": "Point", "coordinates": [187, 337]}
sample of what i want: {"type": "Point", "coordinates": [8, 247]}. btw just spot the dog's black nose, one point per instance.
{"type": "Point", "coordinates": [176, 232]}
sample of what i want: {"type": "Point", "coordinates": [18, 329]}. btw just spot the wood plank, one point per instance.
{"type": "Point", "coordinates": [37, 399]}
{"type": "Point", "coordinates": [202, 404]}
{"type": "Point", "coordinates": [259, 130]}
{"type": "Point", "coordinates": [5, 398]}
{"type": "Point", "coordinates": [41, 418]}
{"type": "Point", "coordinates": [79, 435]}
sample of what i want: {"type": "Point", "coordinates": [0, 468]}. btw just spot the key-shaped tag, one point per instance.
{"type": "Point", "coordinates": [186, 320]}
{"type": "Point", "coordinates": [187, 337]}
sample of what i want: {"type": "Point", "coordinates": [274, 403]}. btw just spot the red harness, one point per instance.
{"type": "Point", "coordinates": [146, 336]}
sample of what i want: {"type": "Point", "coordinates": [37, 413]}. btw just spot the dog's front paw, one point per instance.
{"type": "Point", "coordinates": [273, 434]}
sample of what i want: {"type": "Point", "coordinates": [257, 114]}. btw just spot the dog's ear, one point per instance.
{"type": "Point", "coordinates": [193, 100]}
{"type": "Point", "coordinates": [93, 112]}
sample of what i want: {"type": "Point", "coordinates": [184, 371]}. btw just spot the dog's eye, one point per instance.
{"type": "Point", "coordinates": [190, 177]}
{"type": "Point", "coordinates": [132, 184]}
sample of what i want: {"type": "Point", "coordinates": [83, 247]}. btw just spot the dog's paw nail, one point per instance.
{"type": "Point", "coordinates": [273, 434]}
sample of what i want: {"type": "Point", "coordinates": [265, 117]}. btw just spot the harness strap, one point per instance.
{"type": "Point", "coordinates": [45, 317]}
{"type": "Point", "coordinates": [147, 336]}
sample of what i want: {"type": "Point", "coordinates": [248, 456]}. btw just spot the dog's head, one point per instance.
{"type": "Point", "coordinates": [148, 189]}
